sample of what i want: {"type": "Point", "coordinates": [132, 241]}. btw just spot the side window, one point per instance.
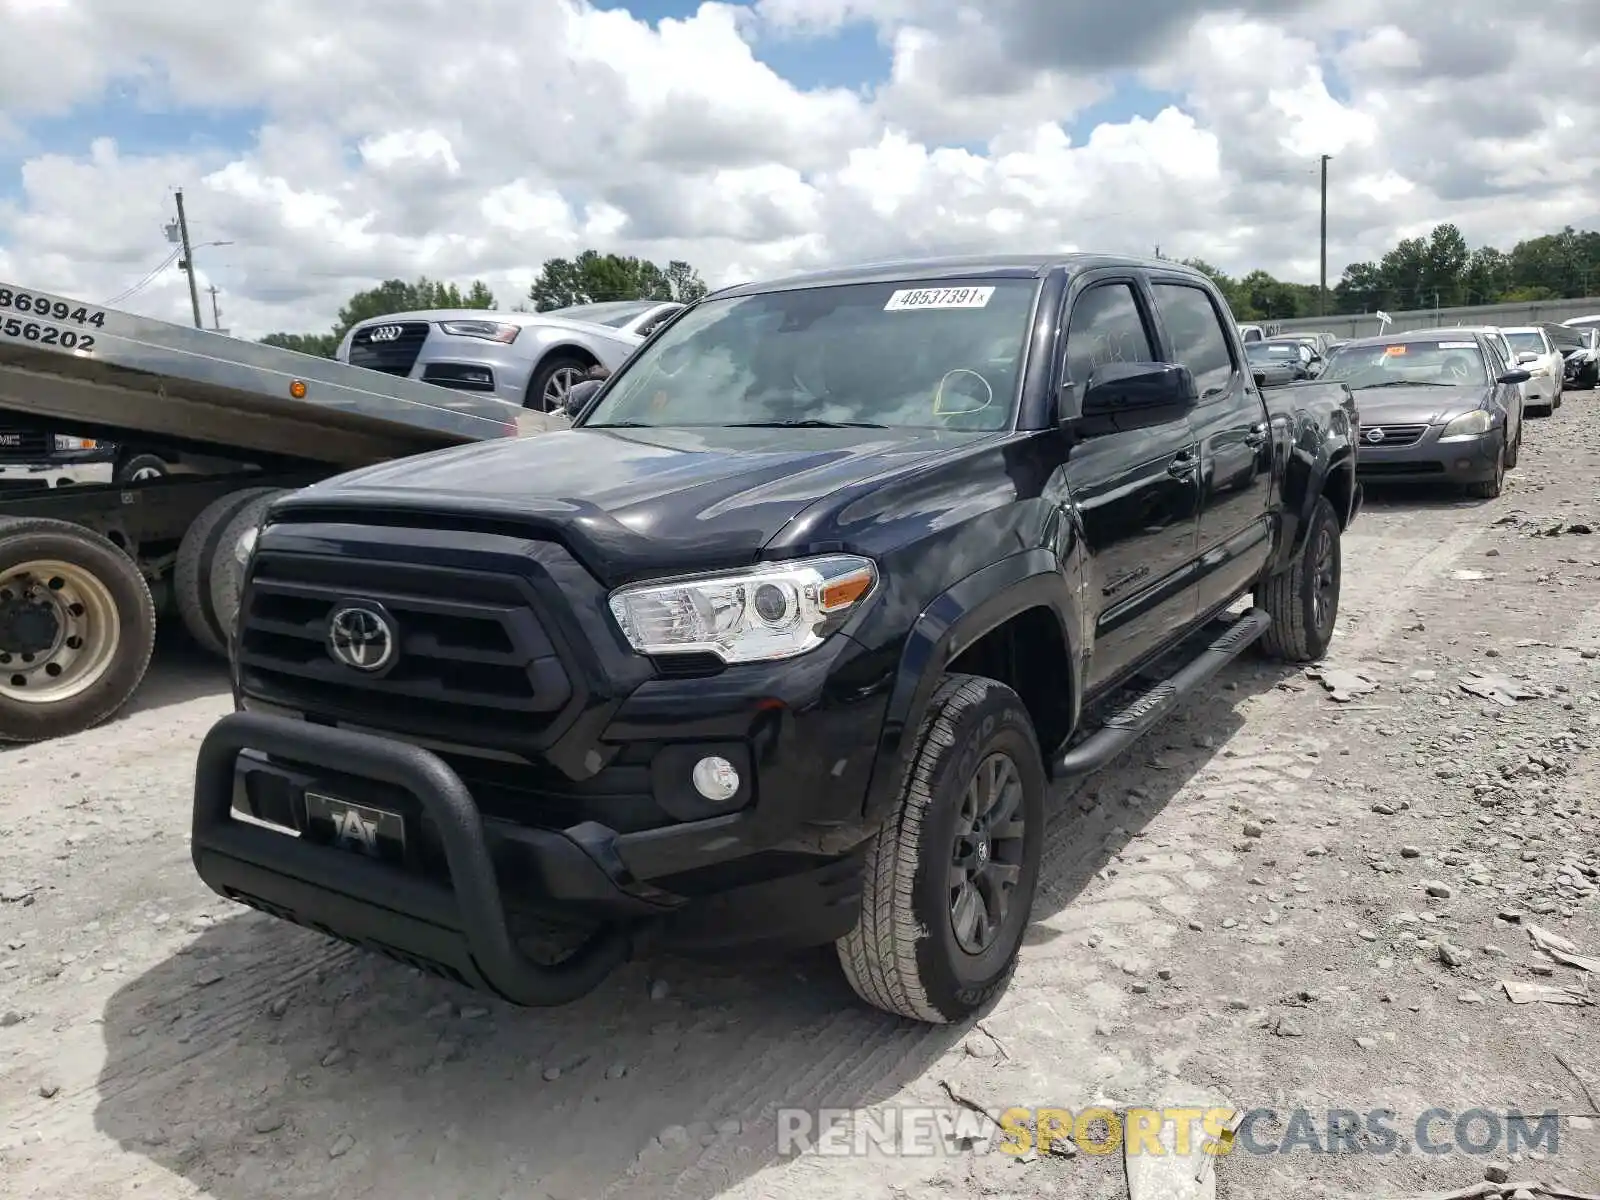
{"type": "Point", "coordinates": [1198, 340]}
{"type": "Point", "coordinates": [1105, 327]}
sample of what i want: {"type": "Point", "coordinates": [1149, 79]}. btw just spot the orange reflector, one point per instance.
{"type": "Point", "coordinates": [297, 389]}
{"type": "Point", "coordinates": [846, 590]}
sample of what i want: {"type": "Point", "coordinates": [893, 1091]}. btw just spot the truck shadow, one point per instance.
{"type": "Point", "coordinates": [180, 671]}
{"type": "Point", "coordinates": [264, 1061]}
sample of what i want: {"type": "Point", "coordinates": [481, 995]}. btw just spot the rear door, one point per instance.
{"type": "Point", "coordinates": [1135, 492]}
{"type": "Point", "coordinates": [1230, 430]}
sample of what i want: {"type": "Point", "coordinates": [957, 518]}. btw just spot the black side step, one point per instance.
{"type": "Point", "coordinates": [1133, 721]}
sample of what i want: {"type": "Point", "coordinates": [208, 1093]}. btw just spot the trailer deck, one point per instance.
{"type": "Point", "coordinates": [114, 375]}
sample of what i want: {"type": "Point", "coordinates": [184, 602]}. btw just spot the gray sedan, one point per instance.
{"type": "Point", "coordinates": [1436, 406]}
{"type": "Point", "coordinates": [531, 359]}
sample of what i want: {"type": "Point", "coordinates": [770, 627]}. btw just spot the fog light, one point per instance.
{"type": "Point", "coordinates": [715, 779]}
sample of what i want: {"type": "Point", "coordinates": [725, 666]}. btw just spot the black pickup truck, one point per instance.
{"type": "Point", "coordinates": [783, 641]}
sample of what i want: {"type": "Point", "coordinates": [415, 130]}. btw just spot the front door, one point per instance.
{"type": "Point", "coordinates": [1230, 427]}
{"type": "Point", "coordinates": [1135, 493]}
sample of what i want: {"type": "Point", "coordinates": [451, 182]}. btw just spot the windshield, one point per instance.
{"type": "Point", "coordinates": [937, 355]}
{"type": "Point", "coordinates": [615, 313]}
{"type": "Point", "coordinates": [1527, 341]}
{"type": "Point", "coordinates": [1446, 362]}
{"type": "Point", "coordinates": [1272, 350]}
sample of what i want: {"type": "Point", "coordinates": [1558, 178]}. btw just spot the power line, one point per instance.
{"type": "Point", "coordinates": [145, 282]}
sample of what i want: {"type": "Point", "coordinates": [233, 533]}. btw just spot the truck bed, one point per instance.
{"type": "Point", "coordinates": [104, 373]}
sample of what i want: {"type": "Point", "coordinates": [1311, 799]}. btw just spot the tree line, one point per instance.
{"type": "Point", "coordinates": [1440, 270]}
{"type": "Point", "coordinates": [588, 278]}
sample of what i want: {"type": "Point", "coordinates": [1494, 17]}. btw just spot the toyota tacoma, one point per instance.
{"type": "Point", "coordinates": [783, 641]}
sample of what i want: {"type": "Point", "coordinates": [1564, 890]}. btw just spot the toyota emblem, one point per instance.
{"type": "Point", "coordinates": [385, 333]}
{"type": "Point", "coordinates": [361, 638]}
{"type": "Point", "coordinates": [1375, 436]}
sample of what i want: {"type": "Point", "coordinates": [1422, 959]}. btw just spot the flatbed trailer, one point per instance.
{"type": "Point", "coordinates": [87, 567]}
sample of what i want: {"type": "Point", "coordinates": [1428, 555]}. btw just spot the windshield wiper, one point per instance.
{"type": "Point", "coordinates": [805, 423]}
{"type": "Point", "coordinates": [1402, 383]}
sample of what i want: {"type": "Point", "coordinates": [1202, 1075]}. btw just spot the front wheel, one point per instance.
{"type": "Point", "coordinates": [1303, 601]}
{"type": "Point", "coordinates": [950, 879]}
{"type": "Point", "coordinates": [1490, 489]}
{"type": "Point", "coordinates": [553, 381]}
{"type": "Point", "coordinates": [77, 628]}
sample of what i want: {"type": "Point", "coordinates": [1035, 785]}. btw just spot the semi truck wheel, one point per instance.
{"type": "Point", "coordinates": [949, 881]}
{"type": "Point", "coordinates": [227, 570]}
{"type": "Point", "coordinates": [77, 628]}
{"type": "Point", "coordinates": [191, 577]}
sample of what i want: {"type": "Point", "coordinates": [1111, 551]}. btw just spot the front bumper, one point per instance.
{"type": "Point", "coordinates": [1431, 461]}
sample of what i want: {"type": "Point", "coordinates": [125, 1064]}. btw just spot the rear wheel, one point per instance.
{"type": "Point", "coordinates": [138, 467]}
{"type": "Point", "coordinates": [554, 379]}
{"type": "Point", "coordinates": [191, 577]}
{"type": "Point", "coordinates": [77, 628]}
{"type": "Point", "coordinates": [950, 879]}
{"type": "Point", "coordinates": [227, 563]}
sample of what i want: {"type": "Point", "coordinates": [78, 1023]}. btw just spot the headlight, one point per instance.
{"type": "Point", "coordinates": [491, 331]}
{"type": "Point", "coordinates": [776, 610]}
{"type": "Point", "coordinates": [1467, 426]}
{"type": "Point", "coordinates": [63, 442]}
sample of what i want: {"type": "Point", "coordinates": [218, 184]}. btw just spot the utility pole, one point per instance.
{"type": "Point", "coordinates": [216, 316]}
{"type": "Point", "coordinates": [1322, 290]}
{"type": "Point", "coordinates": [187, 263]}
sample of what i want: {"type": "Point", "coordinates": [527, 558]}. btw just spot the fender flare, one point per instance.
{"type": "Point", "coordinates": [950, 624]}
{"type": "Point", "coordinates": [1340, 458]}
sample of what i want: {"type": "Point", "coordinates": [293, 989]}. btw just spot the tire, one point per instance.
{"type": "Point", "coordinates": [903, 956]}
{"type": "Point", "coordinates": [227, 572]}
{"type": "Point", "coordinates": [94, 606]}
{"type": "Point", "coordinates": [563, 366]}
{"type": "Point", "coordinates": [141, 466]}
{"type": "Point", "coordinates": [1490, 489]}
{"type": "Point", "coordinates": [1302, 628]}
{"type": "Point", "coordinates": [191, 577]}
{"type": "Point", "coordinates": [1515, 452]}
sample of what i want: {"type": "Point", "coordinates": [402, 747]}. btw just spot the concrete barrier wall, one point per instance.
{"type": "Point", "coordinates": [1367, 325]}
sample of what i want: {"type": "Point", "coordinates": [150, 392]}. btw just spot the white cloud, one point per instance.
{"type": "Point", "coordinates": [476, 139]}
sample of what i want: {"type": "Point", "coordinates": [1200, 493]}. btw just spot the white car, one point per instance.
{"type": "Point", "coordinates": [1543, 361]}
{"type": "Point", "coordinates": [1589, 329]}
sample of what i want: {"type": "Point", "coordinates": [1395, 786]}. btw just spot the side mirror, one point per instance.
{"type": "Point", "coordinates": [1139, 393]}
{"type": "Point", "coordinates": [580, 394]}
{"type": "Point", "coordinates": [1516, 375]}
{"type": "Point", "coordinates": [1527, 356]}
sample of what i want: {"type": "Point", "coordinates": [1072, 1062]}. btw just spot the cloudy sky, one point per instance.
{"type": "Point", "coordinates": [334, 145]}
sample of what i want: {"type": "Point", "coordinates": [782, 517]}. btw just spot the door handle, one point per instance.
{"type": "Point", "coordinates": [1182, 465]}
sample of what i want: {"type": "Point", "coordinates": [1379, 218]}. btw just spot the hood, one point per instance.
{"type": "Point", "coordinates": [627, 501]}
{"type": "Point", "coordinates": [1417, 405]}
{"type": "Point", "coordinates": [487, 314]}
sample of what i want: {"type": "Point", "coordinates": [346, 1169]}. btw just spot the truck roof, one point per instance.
{"type": "Point", "coordinates": [991, 266]}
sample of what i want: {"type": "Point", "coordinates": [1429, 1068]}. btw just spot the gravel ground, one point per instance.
{"type": "Point", "coordinates": [1280, 900]}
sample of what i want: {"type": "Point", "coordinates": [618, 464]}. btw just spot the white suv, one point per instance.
{"type": "Point", "coordinates": [1543, 361]}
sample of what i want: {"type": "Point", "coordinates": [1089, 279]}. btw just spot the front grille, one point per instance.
{"type": "Point", "coordinates": [1394, 435]}
{"type": "Point", "coordinates": [394, 356]}
{"type": "Point", "coordinates": [474, 664]}
{"type": "Point", "coordinates": [24, 445]}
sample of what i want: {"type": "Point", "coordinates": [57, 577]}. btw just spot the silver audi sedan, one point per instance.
{"type": "Point", "coordinates": [525, 358]}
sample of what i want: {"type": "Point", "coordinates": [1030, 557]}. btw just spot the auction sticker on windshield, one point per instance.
{"type": "Point", "coordinates": [1393, 351]}
{"type": "Point", "coordinates": [958, 297]}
